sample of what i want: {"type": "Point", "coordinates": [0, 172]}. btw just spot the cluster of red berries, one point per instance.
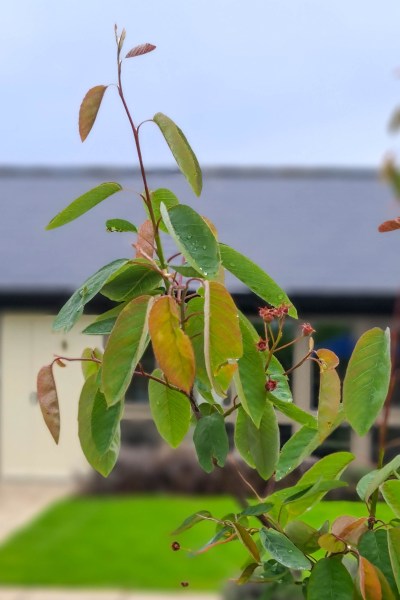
{"type": "Point", "coordinates": [269, 314]}
{"type": "Point", "coordinates": [307, 329]}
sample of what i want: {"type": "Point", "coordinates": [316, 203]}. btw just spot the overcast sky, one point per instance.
{"type": "Point", "coordinates": [256, 82]}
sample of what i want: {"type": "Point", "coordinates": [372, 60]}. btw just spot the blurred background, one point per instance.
{"type": "Point", "coordinates": [286, 106]}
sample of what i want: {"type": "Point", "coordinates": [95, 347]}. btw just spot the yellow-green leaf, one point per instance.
{"type": "Point", "coordinates": [247, 541]}
{"type": "Point", "coordinates": [170, 410]}
{"type": "Point", "coordinates": [171, 345]}
{"type": "Point", "coordinates": [367, 379]}
{"type": "Point", "coordinates": [89, 109]}
{"type": "Point", "coordinates": [222, 336]}
{"type": "Point", "coordinates": [125, 347]}
{"type": "Point", "coordinates": [328, 401]}
{"type": "Point", "coordinates": [84, 203]}
{"type": "Point", "coordinates": [181, 150]}
{"type": "Point", "coordinates": [394, 553]}
{"type": "Point", "coordinates": [391, 493]}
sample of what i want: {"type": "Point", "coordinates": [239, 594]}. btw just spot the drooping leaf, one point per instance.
{"type": "Point", "coordinates": [367, 379]}
{"type": "Point", "coordinates": [189, 522]}
{"type": "Point", "coordinates": [194, 238]}
{"type": "Point", "coordinates": [145, 240]}
{"type": "Point", "coordinates": [297, 448]}
{"type": "Point", "coordinates": [195, 330]}
{"type": "Point", "coordinates": [211, 441]}
{"type": "Point", "coordinates": [120, 225]}
{"type": "Point", "coordinates": [255, 278]}
{"type": "Point", "coordinates": [105, 422]}
{"type": "Point", "coordinates": [373, 545]}
{"type": "Point", "coordinates": [158, 197]}
{"type": "Point", "coordinates": [394, 553]}
{"type": "Point", "coordinates": [372, 480]}
{"type": "Point", "coordinates": [133, 280]}
{"type": "Point", "coordinates": [328, 400]}
{"type": "Point", "coordinates": [48, 400]}
{"type": "Point", "coordinates": [101, 462]}
{"type": "Point", "coordinates": [283, 550]}
{"type": "Point", "coordinates": [181, 150]}
{"type": "Point", "coordinates": [304, 536]}
{"type": "Point", "coordinates": [140, 50]}
{"type": "Point", "coordinates": [125, 347]}
{"type": "Point", "coordinates": [258, 446]}
{"type": "Point", "coordinates": [245, 538]}
{"type": "Point", "coordinates": [90, 367]}
{"type": "Point", "coordinates": [84, 203]}
{"type": "Point", "coordinates": [89, 109]}
{"type": "Point", "coordinates": [390, 225]}
{"type": "Point", "coordinates": [250, 377]}
{"type": "Point", "coordinates": [170, 411]}
{"type": "Point", "coordinates": [222, 336]}
{"type": "Point", "coordinates": [391, 493]}
{"type": "Point", "coordinates": [246, 574]}
{"type": "Point", "coordinates": [370, 586]}
{"type": "Point", "coordinates": [329, 574]}
{"type": "Point", "coordinates": [73, 308]}
{"type": "Point", "coordinates": [171, 345]}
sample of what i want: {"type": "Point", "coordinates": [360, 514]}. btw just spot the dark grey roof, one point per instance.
{"type": "Point", "coordinates": [314, 231]}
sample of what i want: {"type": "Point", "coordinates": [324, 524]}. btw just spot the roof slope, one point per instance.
{"type": "Point", "coordinates": [314, 231]}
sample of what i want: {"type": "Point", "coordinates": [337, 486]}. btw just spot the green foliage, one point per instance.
{"type": "Point", "coordinates": [214, 367]}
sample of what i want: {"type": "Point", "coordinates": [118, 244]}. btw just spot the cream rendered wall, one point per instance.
{"type": "Point", "coordinates": [26, 448]}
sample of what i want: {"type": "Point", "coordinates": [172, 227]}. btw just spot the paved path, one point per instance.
{"type": "Point", "coordinates": [21, 594]}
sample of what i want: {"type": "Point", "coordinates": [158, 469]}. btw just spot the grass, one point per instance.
{"type": "Point", "coordinates": [124, 542]}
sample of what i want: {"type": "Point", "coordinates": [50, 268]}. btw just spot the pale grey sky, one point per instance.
{"type": "Point", "coordinates": [261, 82]}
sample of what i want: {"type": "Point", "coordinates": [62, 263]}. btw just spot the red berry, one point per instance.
{"type": "Point", "coordinates": [271, 385]}
{"type": "Point", "coordinates": [307, 329]}
{"type": "Point", "coordinates": [184, 583]}
{"type": "Point", "coordinates": [261, 345]}
{"type": "Point", "coordinates": [175, 546]}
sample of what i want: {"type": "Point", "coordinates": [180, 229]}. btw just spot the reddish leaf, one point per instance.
{"type": "Point", "coordinates": [349, 529]}
{"type": "Point", "coordinates": [139, 50]}
{"type": "Point", "coordinates": [370, 586]}
{"type": "Point", "coordinates": [172, 347]}
{"type": "Point", "coordinates": [391, 225]}
{"type": "Point", "coordinates": [145, 240]}
{"type": "Point", "coordinates": [89, 109]}
{"type": "Point", "coordinates": [48, 400]}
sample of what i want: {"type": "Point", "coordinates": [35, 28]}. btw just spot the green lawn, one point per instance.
{"type": "Point", "coordinates": [124, 542]}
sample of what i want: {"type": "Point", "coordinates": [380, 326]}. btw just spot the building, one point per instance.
{"type": "Point", "coordinates": [314, 231]}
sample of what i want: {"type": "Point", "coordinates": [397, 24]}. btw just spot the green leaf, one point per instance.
{"type": "Point", "coordinates": [283, 550]}
{"type": "Point", "coordinates": [257, 509]}
{"type": "Point", "coordinates": [195, 330]}
{"type": "Point", "coordinates": [105, 422]}
{"type": "Point", "coordinates": [158, 197]}
{"type": "Point", "coordinates": [73, 308]}
{"type": "Point", "coordinates": [170, 410]}
{"type": "Point", "coordinates": [186, 270]}
{"type": "Point", "coordinates": [394, 553]}
{"type": "Point", "coordinates": [328, 467]}
{"type": "Point", "coordinates": [373, 545]}
{"type": "Point", "coordinates": [211, 441]}
{"type": "Point", "coordinates": [328, 401]}
{"type": "Point", "coordinates": [303, 536]}
{"type": "Point", "coordinates": [120, 225]}
{"type": "Point", "coordinates": [171, 345]}
{"type": "Point", "coordinates": [330, 576]}
{"type": "Point", "coordinates": [125, 348]}
{"type": "Point", "coordinates": [48, 400]}
{"type": "Point", "coordinates": [194, 239]}
{"type": "Point", "coordinates": [372, 480]}
{"type": "Point", "coordinates": [259, 447]}
{"type": "Point", "coordinates": [294, 412]}
{"type": "Point", "coordinates": [89, 109]}
{"type": "Point", "coordinates": [84, 203]}
{"type": "Point", "coordinates": [222, 336]}
{"type": "Point", "coordinates": [198, 517]}
{"type": "Point", "coordinates": [133, 280]}
{"type": "Point", "coordinates": [282, 391]}
{"type": "Point", "coordinates": [391, 493]}
{"type": "Point", "coordinates": [367, 379]}
{"type": "Point", "coordinates": [89, 367]}
{"type": "Point", "coordinates": [297, 448]}
{"type": "Point", "coordinates": [103, 463]}
{"type": "Point", "coordinates": [250, 377]}
{"type": "Point", "coordinates": [181, 150]}
{"type": "Point", "coordinates": [255, 278]}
